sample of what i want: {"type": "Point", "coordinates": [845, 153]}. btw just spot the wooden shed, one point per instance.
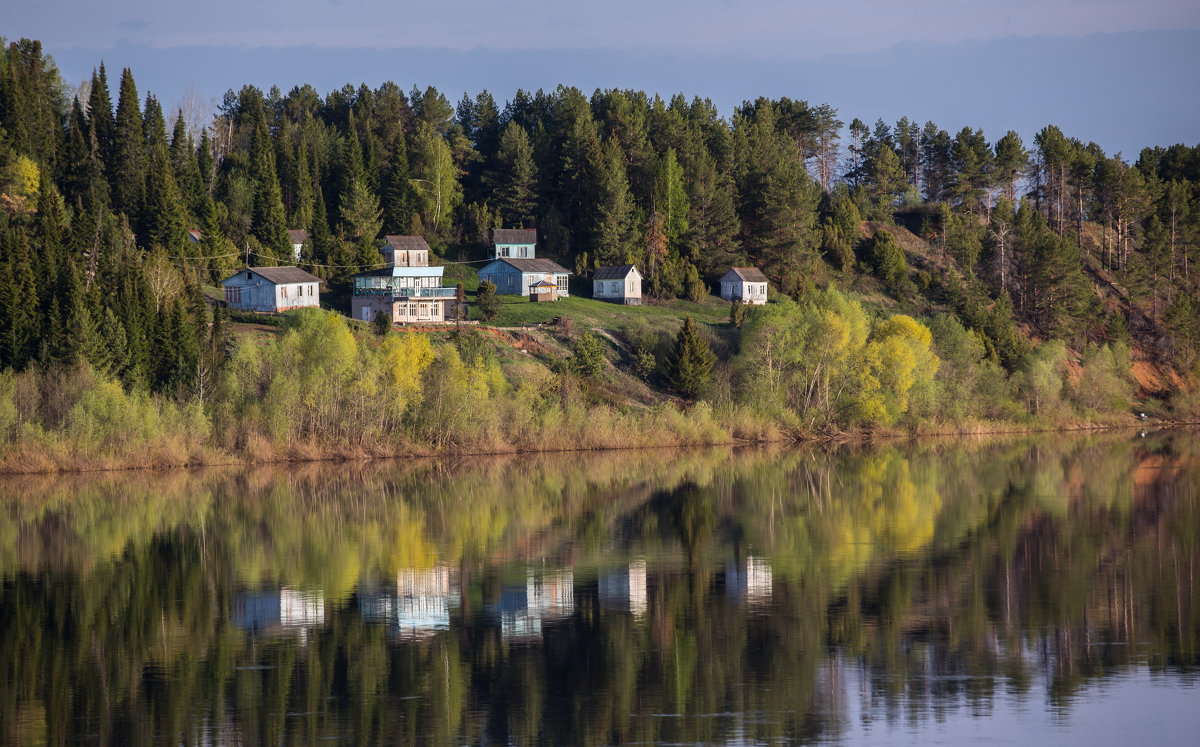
{"type": "Point", "coordinates": [543, 291]}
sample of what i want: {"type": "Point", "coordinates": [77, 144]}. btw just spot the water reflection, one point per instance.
{"type": "Point", "coordinates": [896, 593]}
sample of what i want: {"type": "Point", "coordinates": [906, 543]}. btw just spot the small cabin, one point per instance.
{"type": "Point", "coordinates": [744, 285]}
{"type": "Point", "coordinates": [297, 237]}
{"type": "Point", "coordinates": [618, 284]}
{"type": "Point", "coordinates": [514, 277]}
{"type": "Point", "coordinates": [514, 243]}
{"type": "Point", "coordinates": [272, 289]}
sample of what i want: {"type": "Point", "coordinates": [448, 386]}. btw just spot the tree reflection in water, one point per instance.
{"type": "Point", "coordinates": [678, 596]}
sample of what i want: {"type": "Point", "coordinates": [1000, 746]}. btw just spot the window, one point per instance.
{"type": "Point", "coordinates": [283, 291]}
{"type": "Point", "coordinates": [562, 284]}
{"type": "Point", "coordinates": [233, 295]}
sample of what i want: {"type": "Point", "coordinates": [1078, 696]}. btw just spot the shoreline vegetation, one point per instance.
{"type": "Point", "coordinates": [324, 389]}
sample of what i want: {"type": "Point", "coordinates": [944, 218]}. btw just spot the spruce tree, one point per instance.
{"type": "Point", "coordinates": [127, 169]}
{"type": "Point", "coordinates": [514, 178]}
{"type": "Point", "coordinates": [690, 362]}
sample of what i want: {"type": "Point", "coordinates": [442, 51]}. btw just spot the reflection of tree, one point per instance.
{"type": "Point", "coordinates": [947, 574]}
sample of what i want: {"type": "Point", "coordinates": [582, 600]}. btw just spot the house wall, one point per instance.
{"type": "Point", "coordinates": [628, 290]}
{"type": "Point", "coordinates": [746, 292]}
{"type": "Point", "coordinates": [257, 294]}
{"type": "Point", "coordinates": [364, 308]}
{"type": "Point", "coordinates": [514, 251]}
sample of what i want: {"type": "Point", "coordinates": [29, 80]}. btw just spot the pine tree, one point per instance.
{"type": "Point", "coordinates": [100, 122]}
{"type": "Point", "coordinates": [612, 234]}
{"type": "Point", "coordinates": [514, 178]}
{"type": "Point", "coordinates": [398, 198]}
{"type": "Point", "coordinates": [163, 216]}
{"type": "Point", "coordinates": [690, 362]}
{"type": "Point", "coordinates": [127, 169]}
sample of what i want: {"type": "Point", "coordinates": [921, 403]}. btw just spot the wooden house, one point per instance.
{"type": "Point", "coordinates": [515, 277]}
{"type": "Point", "coordinates": [405, 251]}
{"type": "Point", "coordinates": [408, 290]}
{"type": "Point", "coordinates": [272, 289]}
{"type": "Point", "coordinates": [619, 284]}
{"type": "Point", "coordinates": [298, 237]}
{"type": "Point", "coordinates": [514, 243]}
{"type": "Point", "coordinates": [744, 285]}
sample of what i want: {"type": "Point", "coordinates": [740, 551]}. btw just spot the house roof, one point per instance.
{"type": "Point", "coordinates": [406, 243]}
{"type": "Point", "coordinates": [514, 235]}
{"type": "Point", "coordinates": [297, 235]}
{"type": "Point", "coordinates": [613, 272]}
{"type": "Point", "coordinates": [279, 275]}
{"type": "Point", "coordinates": [195, 234]}
{"type": "Point", "coordinates": [544, 284]}
{"type": "Point", "coordinates": [402, 272]}
{"type": "Point", "coordinates": [533, 265]}
{"type": "Point", "coordinates": [749, 274]}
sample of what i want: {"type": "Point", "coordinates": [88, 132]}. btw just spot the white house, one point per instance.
{"type": "Point", "coordinates": [298, 237]}
{"type": "Point", "coordinates": [514, 277]}
{"type": "Point", "coordinates": [744, 284]}
{"type": "Point", "coordinates": [407, 290]}
{"type": "Point", "coordinates": [272, 289]}
{"type": "Point", "coordinates": [619, 284]}
{"type": "Point", "coordinates": [514, 243]}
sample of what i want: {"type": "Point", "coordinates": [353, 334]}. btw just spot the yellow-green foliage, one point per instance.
{"type": "Point", "coordinates": [823, 361]}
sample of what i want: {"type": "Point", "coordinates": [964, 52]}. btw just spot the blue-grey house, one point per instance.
{"type": "Point", "coordinates": [514, 243]}
{"type": "Point", "coordinates": [514, 277]}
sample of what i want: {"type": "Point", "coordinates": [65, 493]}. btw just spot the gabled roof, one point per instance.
{"type": "Point", "coordinates": [514, 235]}
{"type": "Point", "coordinates": [543, 284]}
{"type": "Point", "coordinates": [279, 275]}
{"type": "Point", "coordinates": [195, 235]}
{"type": "Point", "coordinates": [406, 243]}
{"type": "Point", "coordinates": [613, 272]}
{"type": "Point", "coordinates": [297, 235]}
{"type": "Point", "coordinates": [748, 274]}
{"type": "Point", "coordinates": [532, 265]}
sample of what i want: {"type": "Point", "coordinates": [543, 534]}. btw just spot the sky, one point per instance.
{"type": "Point", "coordinates": [1125, 72]}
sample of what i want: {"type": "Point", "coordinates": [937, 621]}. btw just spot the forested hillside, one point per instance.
{"type": "Point", "coordinates": [1015, 244]}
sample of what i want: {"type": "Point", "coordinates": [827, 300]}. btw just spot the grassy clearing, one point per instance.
{"type": "Point", "coordinates": [516, 311]}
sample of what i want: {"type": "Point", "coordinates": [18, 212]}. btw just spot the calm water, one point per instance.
{"type": "Point", "coordinates": [1032, 591]}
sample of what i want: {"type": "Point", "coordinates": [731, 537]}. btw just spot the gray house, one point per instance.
{"type": "Point", "coordinates": [514, 277]}
{"type": "Point", "coordinates": [272, 289]}
{"type": "Point", "coordinates": [745, 285]}
{"type": "Point", "coordinates": [514, 243]}
{"type": "Point", "coordinates": [619, 284]}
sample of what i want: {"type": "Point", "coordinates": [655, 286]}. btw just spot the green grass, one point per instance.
{"type": "Point", "coordinates": [516, 311]}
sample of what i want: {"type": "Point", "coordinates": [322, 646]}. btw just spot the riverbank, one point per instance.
{"type": "Point", "coordinates": [50, 456]}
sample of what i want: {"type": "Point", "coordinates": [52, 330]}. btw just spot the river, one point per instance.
{"type": "Point", "coordinates": [1024, 590]}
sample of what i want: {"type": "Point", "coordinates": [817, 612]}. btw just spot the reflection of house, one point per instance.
{"type": "Point", "coordinates": [515, 277]}
{"type": "Point", "coordinates": [407, 290]}
{"type": "Point", "coordinates": [744, 284]}
{"type": "Point", "coordinates": [420, 605]}
{"type": "Point", "coordinates": [625, 588]}
{"type": "Point", "coordinates": [283, 609]}
{"type": "Point", "coordinates": [297, 237]}
{"type": "Point", "coordinates": [749, 579]}
{"type": "Point", "coordinates": [424, 598]}
{"type": "Point", "coordinates": [523, 609]}
{"type": "Point", "coordinates": [271, 289]}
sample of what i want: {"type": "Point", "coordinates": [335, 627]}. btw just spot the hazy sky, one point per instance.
{"type": "Point", "coordinates": [781, 28]}
{"type": "Point", "coordinates": [1120, 73]}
